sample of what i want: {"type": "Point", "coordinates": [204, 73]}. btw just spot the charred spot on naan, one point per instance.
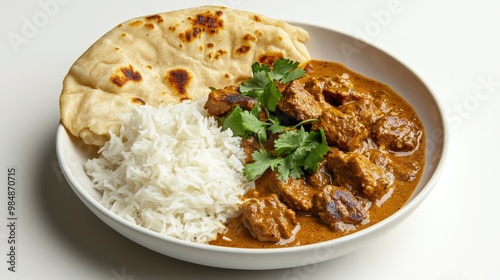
{"type": "Point", "coordinates": [243, 49]}
{"type": "Point", "coordinates": [257, 18]}
{"type": "Point", "coordinates": [149, 22]}
{"type": "Point", "coordinates": [207, 22]}
{"type": "Point", "coordinates": [178, 80]}
{"type": "Point", "coordinates": [157, 18]}
{"type": "Point", "coordinates": [270, 57]}
{"type": "Point", "coordinates": [138, 101]}
{"type": "Point", "coordinates": [136, 23]}
{"type": "Point", "coordinates": [217, 54]}
{"type": "Point", "coordinates": [124, 75]}
{"type": "Point", "coordinates": [249, 37]}
{"type": "Point", "coordinates": [149, 26]}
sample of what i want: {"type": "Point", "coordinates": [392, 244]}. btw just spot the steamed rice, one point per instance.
{"type": "Point", "coordinates": [172, 170]}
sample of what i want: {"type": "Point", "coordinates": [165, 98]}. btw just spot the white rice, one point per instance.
{"type": "Point", "coordinates": [173, 171]}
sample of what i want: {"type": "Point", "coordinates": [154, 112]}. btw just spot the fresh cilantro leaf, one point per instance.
{"type": "Point", "coordinates": [316, 154]}
{"type": "Point", "coordinates": [256, 111]}
{"type": "Point", "coordinates": [233, 121]}
{"type": "Point", "coordinates": [291, 165]}
{"type": "Point", "coordinates": [284, 169]}
{"type": "Point", "coordinates": [263, 160]}
{"type": "Point", "coordinates": [290, 141]}
{"type": "Point", "coordinates": [281, 66]}
{"type": "Point", "coordinates": [274, 125]}
{"type": "Point", "coordinates": [262, 85]}
{"type": "Point", "coordinates": [243, 123]}
{"type": "Point", "coordinates": [255, 87]}
{"type": "Point", "coordinates": [276, 128]}
{"type": "Point", "coordinates": [257, 67]}
{"type": "Point", "coordinates": [292, 75]}
{"type": "Point", "coordinates": [302, 151]}
{"type": "Point", "coordinates": [271, 97]}
{"type": "Point", "coordinates": [285, 70]}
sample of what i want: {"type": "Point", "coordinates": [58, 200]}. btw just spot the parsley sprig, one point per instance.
{"type": "Point", "coordinates": [297, 151]}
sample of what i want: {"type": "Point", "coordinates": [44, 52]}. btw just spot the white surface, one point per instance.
{"type": "Point", "coordinates": [453, 45]}
{"type": "Point", "coordinates": [72, 154]}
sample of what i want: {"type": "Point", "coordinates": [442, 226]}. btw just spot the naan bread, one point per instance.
{"type": "Point", "coordinates": [166, 58]}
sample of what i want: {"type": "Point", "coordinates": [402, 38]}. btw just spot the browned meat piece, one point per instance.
{"type": "Point", "coordinates": [339, 208]}
{"type": "Point", "coordinates": [396, 133]}
{"type": "Point", "coordinates": [321, 178]}
{"type": "Point", "coordinates": [222, 101]}
{"type": "Point", "coordinates": [249, 145]}
{"type": "Point", "coordinates": [380, 158]}
{"type": "Point", "coordinates": [336, 90]}
{"type": "Point", "coordinates": [298, 103]}
{"type": "Point", "coordinates": [341, 130]}
{"type": "Point", "coordinates": [403, 170]}
{"type": "Point", "coordinates": [268, 219]}
{"type": "Point", "coordinates": [315, 87]}
{"type": "Point", "coordinates": [364, 110]}
{"type": "Point", "coordinates": [295, 193]}
{"type": "Point", "coordinates": [355, 172]}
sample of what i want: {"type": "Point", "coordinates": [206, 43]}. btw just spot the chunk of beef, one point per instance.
{"type": "Point", "coordinates": [357, 173]}
{"type": "Point", "coordinates": [403, 170]}
{"type": "Point", "coordinates": [341, 130]}
{"type": "Point", "coordinates": [249, 145]}
{"type": "Point", "coordinates": [396, 133]}
{"type": "Point", "coordinates": [364, 110]}
{"type": "Point", "coordinates": [222, 101]}
{"type": "Point", "coordinates": [315, 87]}
{"type": "Point", "coordinates": [295, 193]}
{"type": "Point", "coordinates": [336, 90]}
{"type": "Point", "coordinates": [321, 178]}
{"type": "Point", "coordinates": [298, 103]}
{"type": "Point", "coordinates": [339, 208]}
{"type": "Point", "coordinates": [268, 219]}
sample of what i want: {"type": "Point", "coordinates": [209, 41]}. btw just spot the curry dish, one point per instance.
{"type": "Point", "coordinates": [375, 160]}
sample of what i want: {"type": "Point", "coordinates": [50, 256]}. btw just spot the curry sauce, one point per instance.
{"type": "Point", "coordinates": [379, 131]}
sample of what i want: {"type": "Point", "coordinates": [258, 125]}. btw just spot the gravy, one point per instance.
{"type": "Point", "coordinates": [406, 166]}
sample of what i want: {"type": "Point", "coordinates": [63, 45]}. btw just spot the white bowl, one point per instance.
{"type": "Point", "coordinates": [324, 44]}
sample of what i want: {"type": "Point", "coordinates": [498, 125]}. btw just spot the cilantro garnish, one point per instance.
{"type": "Point", "coordinates": [262, 85]}
{"type": "Point", "coordinates": [245, 123]}
{"type": "Point", "coordinates": [297, 151]}
{"type": "Point", "coordinates": [263, 161]}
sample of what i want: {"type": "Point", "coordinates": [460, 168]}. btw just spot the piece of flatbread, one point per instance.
{"type": "Point", "coordinates": [166, 58]}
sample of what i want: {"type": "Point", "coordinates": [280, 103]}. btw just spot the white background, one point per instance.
{"type": "Point", "coordinates": [453, 45]}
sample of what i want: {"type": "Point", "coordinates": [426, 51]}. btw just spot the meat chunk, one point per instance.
{"type": "Point", "coordinates": [335, 90]}
{"type": "Point", "coordinates": [403, 170]}
{"type": "Point", "coordinates": [396, 133]}
{"type": "Point", "coordinates": [341, 130]}
{"type": "Point", "coordinates": [268, 219]}
{"type": "Point", "coordinates": [357, 173]}
{"type": "Point", "coordinates": [339, 208]}
{"type": "Point", "coordinates": [321, 178]}
{"type": "Point", "coordinates": [295, 193]}
{"type": "Point", "coordinates": [222, 101]}
{"type": "Point", "coordinates": [249, 145]}
{"type": "Point", "coordinates": [364, 110]}
{"type": "Point", "coordinates": [298, 103]}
